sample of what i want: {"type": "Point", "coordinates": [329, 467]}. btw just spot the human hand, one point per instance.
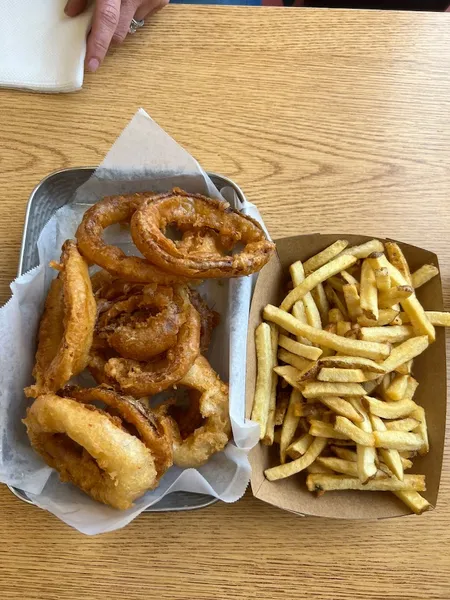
{"type": "Point", "coordinates": [111, 23]}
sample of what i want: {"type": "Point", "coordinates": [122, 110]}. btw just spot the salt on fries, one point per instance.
{"type": "Point", "coordinates": [349, 331]}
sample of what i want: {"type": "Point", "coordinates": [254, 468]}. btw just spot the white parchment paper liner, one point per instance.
{"type": "Point", "coordinates": [143, 157]}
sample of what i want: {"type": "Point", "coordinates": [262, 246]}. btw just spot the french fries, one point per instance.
{"type": "Point", "coordinates": [397, 389]}
{"type": "Point", "coordinates": [368, 292]}
{"type": "Point", "coordinates": [370, 386]}
{"type": "Point", "coordinates": [312, 313]}
{"type": "Point", "coordinates": [405, 368]}
{"type": "Point", "coordinates": [346, 355]}
{"type": "Point", "coordinates": [339, 465]}
{"type": "Point", "coordinates": [281, 408]}
{"type": "Point", "coordinates": [316, 468]}
{"type": "Point", "coordinates": [386, 316]}
{"type": "Point", "coordinates": [398, 440]}
{"type": "Point", "coordinates": [353, 300]}
{"type": "Point", "coordinates": [309, 352]}
{"type": "Point", "coordinates": [411, 388]}
{"type": "Point", "coordinates": [344, 453]}
{"type": "Point", "coordinates": [310, 282]}
{"type": "Point", "coordinates": [421, 429]}
{"type": "Point", "coordinates": [414, 501]}
{"type": "Point", "coordinates": [299, 312]}
{"type": "Point", "coordinates": [352, 362]}
{"type": "Point", "coordinates": [397, 259]}
{"type": "Point", "coordinates": [299, 464]}
{"type": "Point", "coordinates": [336, 283]}
{"type": "Point", "coordinates": [405, 352]}
{"type": "Point", "coordinates": [317, 261]}
{"type": "Point", "coordinates": [321, 429]}
{"type": "Point", "coordinates": [394, 295]}
{"type": "Point", "coordinates": [371, 350]}
{"type": "Point", "coordinates": [382, 279]}
{"type": "Point", "coordinates": [318, 389]}
{"type": "Point", "coordinates": [348, 278]}
{"type": "Point", "coordinates": [363, 250]}
{"type": "Point", "coordinates": [423, 275]}
{"type": "Point", "coordinates": [300, 446]}
{"type": "Point", "coordinates": [390, 456]}
{"type": "Point", "coordinates": [352, 432]}
{"type": "Point", "coordinates": [393, 334]}
{"type": "Point", "coordinates": [366, 455]}
{"type": "Point", "coordinates": [406, 424]}
{"type": "Point", "coordinates": [263, 390]}
{"type": "Point", "coordinates": [390, 410]}
{"type": "Point", "coordinates": [439, 319]}
{"type": "Point", "coordinates": [270, 427]}
{"type": "Point", "coordinates": [321, 300]}
{"type": "Point", "coordinates": [291, 375]}
{"type": "Point", "coordinates": [341, 375]}
{"type": "Point", "coordinates": [292, 359]}
{"type": "Point", "coordinates": [342, 407]}
{"type": "Point", "coordinates": [335, 300]}
{"type": "Point", "coordinates": [323, 482]}
{"type": "Point", "coordinates": [410, 305]}
{"type": "Point", "coordinates": [290, 424]}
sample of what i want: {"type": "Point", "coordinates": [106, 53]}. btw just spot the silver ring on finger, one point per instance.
{"type": "Point", "coordinates": [135, 25]}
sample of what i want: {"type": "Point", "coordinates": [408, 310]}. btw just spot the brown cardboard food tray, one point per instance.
{"type": "Point", "coordinates": [429, 369]}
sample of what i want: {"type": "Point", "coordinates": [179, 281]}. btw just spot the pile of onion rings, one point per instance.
{"type": "Point", "coordinates": [139, 329]}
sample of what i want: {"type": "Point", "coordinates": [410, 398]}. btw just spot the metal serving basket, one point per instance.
{"type": "Point", "coordinates": [53, 192]}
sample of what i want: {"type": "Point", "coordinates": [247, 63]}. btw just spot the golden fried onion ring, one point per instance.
{"type": "Point", "coordinates": [130, 327]}
{"type": "Point", "coordinates": [215, 432]}
{"type": "Point", "coordinates": [153, 429]}
{"type": "Point", "coordinates": [67, 325]}
{"type": "Point", "coordinates": [106, 212]}
{"type": "Point", "coordinates": [148, 378]}
{"type": "Point", "coordinates": [184, 210]}
{"type": "Point", "coordinates": [89, 448]}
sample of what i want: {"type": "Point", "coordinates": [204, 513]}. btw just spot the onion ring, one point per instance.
{"type": "Point", "coordinates": [130, 328]}
{"type": "Point", "coordinates": [153, 214]}
{"type": "Point", "coordinates": [146, 379]}
{"type": "Point", "coordinates": [213, 435]}
{"type": "Point", "coordinates": [152, 429]}
{"type": "Point", "coordinates": [106, 212]}
{"type": "Point", "coordinates": [89, 448]}
{"type": "Point", "coordinates": [67, 325]}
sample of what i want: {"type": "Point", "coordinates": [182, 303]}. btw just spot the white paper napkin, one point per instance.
{"type": "Point", "coordinates": [41, 49]}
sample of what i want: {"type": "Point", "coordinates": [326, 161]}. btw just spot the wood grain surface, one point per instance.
{"type": "Point", "coordinates": [331, 121]}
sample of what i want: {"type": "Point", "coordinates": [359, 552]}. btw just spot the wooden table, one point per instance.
{"type": "Point", "coordinates": [331, 121]}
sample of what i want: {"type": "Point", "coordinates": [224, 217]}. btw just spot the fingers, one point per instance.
{"type": "Point", "coordinates": [127, 13]}
{"type": "Point", "coordinates": [105, 21]}
{"type": "Point", "coordinates": [138, 10]}
{"type": "Point", "coordinates": [75, 7]}
{"type": "Point", "coordinates": [111, 23]}
{"type": "Point", "coordinates": [149, 8]}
